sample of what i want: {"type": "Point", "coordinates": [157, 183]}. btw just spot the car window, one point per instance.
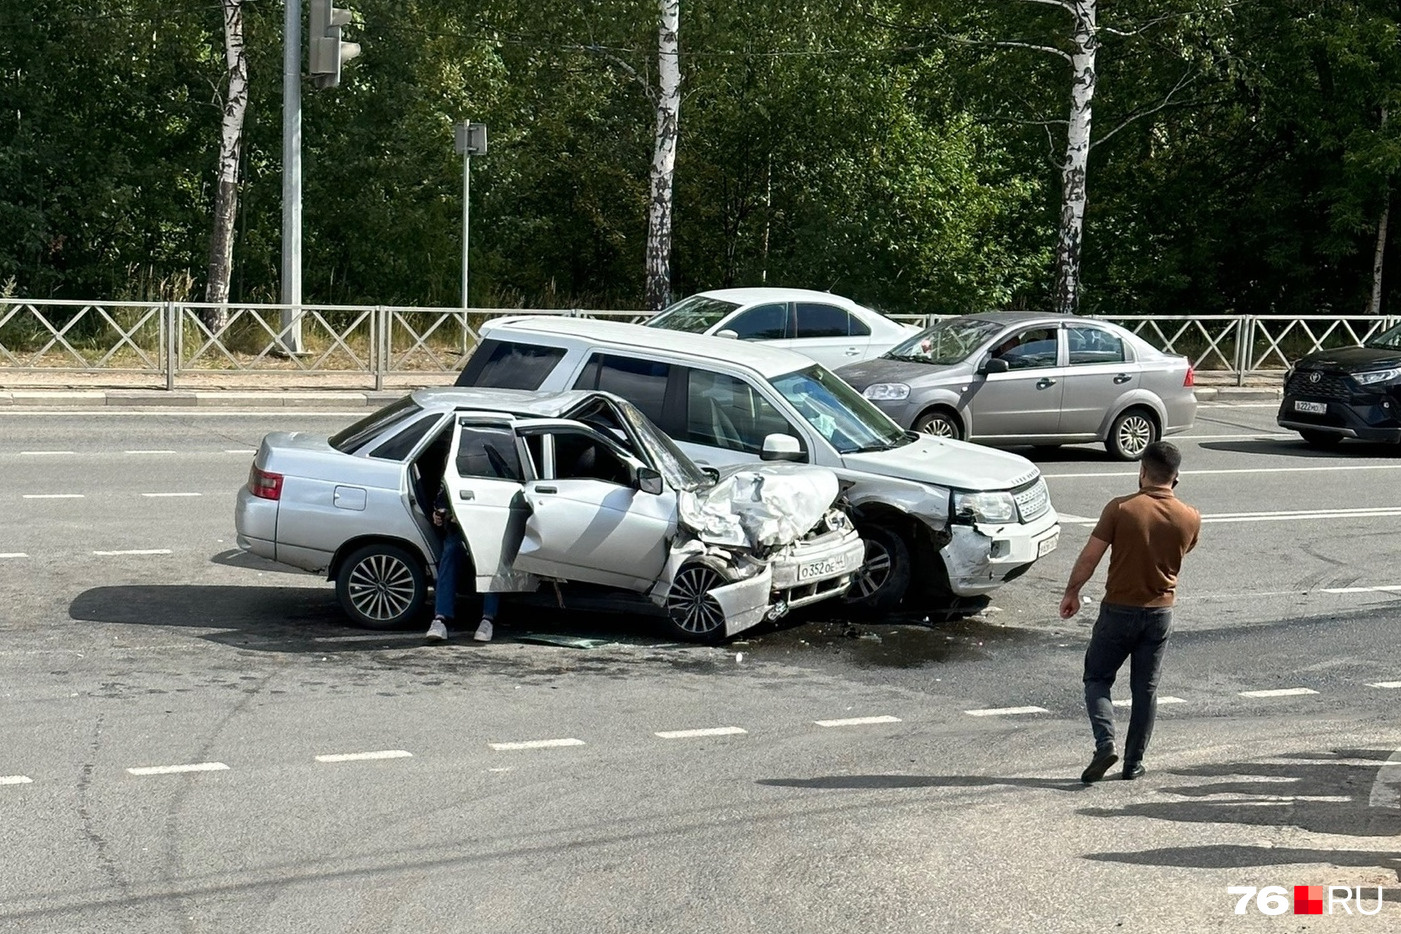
{"type": "Point", "coordinates": [952, 340]}
{"type": "Point", "coordinates": [761, 323]}
{"type": "Point", "coordinates": [726, 412]}
{"type": "Point", "coordinates": [696, 314]}
{"type": "Point", "coordinates": [847, 419]}
{"type": "Point", "coordinates": [401, 445]}
{"type": "Point", "coordinates": [351, 439]}
{"type": "Point", "coordinates": [641, 382]}
{"type": "Point", "coordinates": [1027, 349]}
{"type": "Point", "coordinates": [509, 365]}
{"type": "Point", "coordinates": [1090, 345]}
{"type": "Point", "coordinates": [579, 456]}
{"type": "Point", "coordinates": [818, 320]}
{"type": "Point", "coordinates": [488, 451]}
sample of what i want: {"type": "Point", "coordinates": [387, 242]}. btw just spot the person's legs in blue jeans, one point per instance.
{"type": "Point", "coordinates": [1110, 644]}
{"type": "Point", "coordinates": [1144, 669]}
{"type": "Point", "coordinates": [449, 562]}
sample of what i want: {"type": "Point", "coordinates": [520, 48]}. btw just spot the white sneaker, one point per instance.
{"type": "Point", "coordinates": [483, 631]}
{"type": "Point", "coordinates": [437, 630]}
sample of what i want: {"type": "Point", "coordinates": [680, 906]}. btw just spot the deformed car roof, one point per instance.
{"type": "Point", "coordinates": [509, 401]}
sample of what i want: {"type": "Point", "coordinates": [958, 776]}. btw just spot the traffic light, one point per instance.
{"type": "Point", "coordinates": [327, 51]}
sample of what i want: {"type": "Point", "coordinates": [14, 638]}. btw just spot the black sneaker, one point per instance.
{"type": "Point", "coordinates": [1133, 770]}
{"type": "Point", "coordinates": [1100, 764]}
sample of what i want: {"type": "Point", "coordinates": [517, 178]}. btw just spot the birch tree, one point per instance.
{"type": "Point", "coordinates": [666, 137]}
{"type": "Point", "coordinates": [1074, 170]}
{"type": "Point", "coordinates": [230, 150]}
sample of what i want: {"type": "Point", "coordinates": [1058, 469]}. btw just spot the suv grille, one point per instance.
{"type": "Point", "coordinates": [1330, 385]}
{"type": "Point", "coordinates": [1032, 500]}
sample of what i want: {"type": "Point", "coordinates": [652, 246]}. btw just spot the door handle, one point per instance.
{"type": "Point", "coordinates": [546, 489]}
{"type": "Point", "coordinates": [852, 351]}
{"type": "Point", "coordinates": [466, 494]}
{"type": "Point", "coordinates": [1045, 382]}
{"type": "Point", "coordinates": [1122, 378]}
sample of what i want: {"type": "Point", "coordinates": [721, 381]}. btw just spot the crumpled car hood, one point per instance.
{"type": "Point", "coordinates": [759, 506]}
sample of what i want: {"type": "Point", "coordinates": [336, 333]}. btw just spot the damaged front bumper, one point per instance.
{"type": "Point", "coordinates": [981, 557]}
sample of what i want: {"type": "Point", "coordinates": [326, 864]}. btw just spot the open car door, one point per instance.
{"type": "Point", "coordinates": [485, 479]}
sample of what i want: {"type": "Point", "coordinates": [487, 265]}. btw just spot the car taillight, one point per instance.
{"type": "Point", "coordinates": [263, 484]}
{"type": "Point", "coordinates": [1190, 379]}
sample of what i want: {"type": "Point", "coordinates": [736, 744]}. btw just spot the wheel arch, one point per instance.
{"type": "Point", "coordinates": [1139, 399]}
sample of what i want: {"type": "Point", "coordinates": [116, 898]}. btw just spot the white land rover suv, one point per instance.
{"type": "Point", "coordinates": [942, 519]}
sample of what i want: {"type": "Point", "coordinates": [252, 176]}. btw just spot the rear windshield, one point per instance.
{"type": "Point", "coordinates": [509, 365]}
{"type": "Point", "coordinates": [352, 439]}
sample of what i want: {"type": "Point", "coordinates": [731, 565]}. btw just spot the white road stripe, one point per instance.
{"type": "Point", "coordinates": [1268, 436]}
{"type": "Point", "coordinates": [134, 551]}
{"type": "Point", "coordinates": [1161, 701]}
{"type": "Point", "coordinates": [1004, 711]}
{"type": "Point", "coordinates": [13, 554]}
{"type": "Point", "coordinates": [1381, 588]}
{"type": "Point", "coordinates": [15, 779]}
{"type": "Point", "coordinates": [537, 744]}
{"type": "Point", "coordinates": [1279, 692]}
{"type": "Point", "coordinates": [709, 731]}
{"type": "Point", "coordinates": [1282, 516]}
{"type": "Point", "coordinates": [1231, 470]}
{"type": "Point", "coordinates": [42, 453]}
{"type": "Point", "coordinates": [53, 495]}
{"type": "Point", "coordinates": [1386, 789]}
{"type": "Point", "coordinates": [169, 495]}
{"type": "Point", "coordinates": [148, 452]}
{"type": "Point", "coordinates": [858, 721]}
{"type": "Point", "coordinates": [364, 756]}
{"type": "Point", "coordinates": [1385, 684]}
{"type": "Point", "coordinates": [176, 769]}
{"type": "Point", "coordinates": [240, 451]}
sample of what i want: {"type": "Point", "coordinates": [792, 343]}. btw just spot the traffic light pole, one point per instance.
{"type": "Point", "coordinates": [290, 334]}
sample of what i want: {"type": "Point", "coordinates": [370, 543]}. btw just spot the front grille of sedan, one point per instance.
{"type": "Point", "coordinates": [1032, 499]}
{"type": "Point", "coordinates": [1329, 385]}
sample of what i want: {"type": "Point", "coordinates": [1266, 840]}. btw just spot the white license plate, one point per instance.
{"type": "Point", "coordinates": [1046, 546]}
{"type": "Point", "coordinates": [827, 568]}
{"type": "Point", "coordinates": [1317, 408]}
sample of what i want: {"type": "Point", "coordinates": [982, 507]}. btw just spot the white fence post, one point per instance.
{"type": "Point", "coordinates": [171, 318]}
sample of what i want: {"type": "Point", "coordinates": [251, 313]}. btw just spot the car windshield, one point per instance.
{"type": "Point", "coordinates": [1389, 339]}
{"type": "Point", "coordinates": [949, 341]}
{"type": "Point", "coordinates": [350, 440]}
{"type": "Point", "coordinates": [840, 414]}
{"type": "Point", "coordinates": [696, 314]}
{"type": "Point", "coordinates": [678, 470]}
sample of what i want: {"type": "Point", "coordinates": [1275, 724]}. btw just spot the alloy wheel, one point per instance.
{"type": "Point", "coordinates": [690, 605]}
{"type": "Point", "coordinates": [940, 426]}
{"type": "Point", "coordinates": [382, 587]}
{"type": "Point", "coordinates": [876, 571]}
{"type": "Point", "coordinates": [1135, 433]}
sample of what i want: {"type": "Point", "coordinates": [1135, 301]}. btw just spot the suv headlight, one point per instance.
{"type": "Point", "coordinates": [887, 392]}
{"type": "Point", "coordinates": [1377, 376]}
{"type": "Point", "coordinates": [985, 507]}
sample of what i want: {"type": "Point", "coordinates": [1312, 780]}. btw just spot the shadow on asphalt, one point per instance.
{"type": "Point", "coordinates": [889, 782]}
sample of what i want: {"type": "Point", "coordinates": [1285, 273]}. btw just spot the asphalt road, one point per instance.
{"type": "Point", "coordinates": [852, 776]}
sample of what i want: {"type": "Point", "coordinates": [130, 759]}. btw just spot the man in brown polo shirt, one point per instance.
{"type": "Point", "coordinates": [1147, 534]}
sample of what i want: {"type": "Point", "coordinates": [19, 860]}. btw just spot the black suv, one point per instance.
{"type": "Point", "coordinates": [1352, 392]}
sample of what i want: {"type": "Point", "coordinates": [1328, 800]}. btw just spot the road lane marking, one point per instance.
{"type": "Point", "coordinates": [709, 731]}
{"type": "Point", "coordinates": [1228, 470]}
{"type": "Point", "coordinates": [1162, 700]}
{"type": "Point", "coordinates": [43, 453]}
{"type": "Point", "coordinates": [858, 721]}
{"type": "Point", "coordinates": [1304, 515]}
{"type": "Point", "coordinates": [169, 495]}
{"type": "Point", "coordinates": [15, 779]}
{"type": "Point", "coordinates": [1381, 588]}
{"type": "Point", "coordinates": [1279, 692]}
{"type": "Point", "coordinates": [134, 551]}
{"type": "Point", "coordinates": [148, 452]}
{"type": "Point", "coordinates": [176, 769]}
{"type": "Point", "coordinates": [365, 756]}
{"type": "Point", "coordinates": [1385, 684]}
{"type": "Point", "coordinates": [13, 554]}
{"type": "Point", "coordinates": [240, 451]}
{"type": "Point", "coordinates": [537, 744]}
{"type": "Point", "coordinates": [1268, 436]}
{"type": "Point", "coordinates": [1386, 788]}
{"type": "Point", "coordinates": [53, 495]}
{"type": "Point", "coordinates": [1004, 711]}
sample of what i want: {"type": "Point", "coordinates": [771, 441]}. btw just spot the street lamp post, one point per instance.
{"type": "Point", "coordinates": [469, 139]}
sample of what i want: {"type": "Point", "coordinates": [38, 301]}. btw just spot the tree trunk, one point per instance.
{"type": "Point", "coordinates": [1374, 307]}
{"type": "Point", "coordinates": [659, 209]}
{"type": "Point", "coordinates": [230, 148]}
{"type": "Point", "coordinates": [1077, 152]}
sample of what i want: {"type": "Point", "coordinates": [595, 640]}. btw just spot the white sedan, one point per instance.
{"type": "Point", "coordinates": [830, 329]}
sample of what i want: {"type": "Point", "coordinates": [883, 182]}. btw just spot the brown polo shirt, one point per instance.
{"type": "Point", "coordinates": [1149, 532]}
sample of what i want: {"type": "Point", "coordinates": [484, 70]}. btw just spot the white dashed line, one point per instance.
{"type": "Point", "coordinates": [134, 551]}
{"type": "Point", "coordinates": [53, 495]}
{"type": "Point", "coordinates": [1375, 684]}
{"type": "Point", "coordinates": [175, 769]}
{"type": "Point", "coordinates": [365, 756]}
{"type": "Point", "coordinates": [13, 554]}
{"type": "Point", "coordinates": [1279, 692]}
{"type": "Point", "coordinates": [15, 779]}
{"type": "Point", "coordinates": [710, 731]}
{"type": "Point", "coordinates": [240, 451]}
{"type": "Point", "coordinates": [1383, 588]}
{"type": "Point", "coordinates": [1232, 470]}
{"type": "Point", "coordinates": [42, 453]}
{"type": "Point", "coordinates": [148, 452]}
{"type": "Point", "coordinates": [1001, 711]}
{"type": "Point", "coordinates": [858, 721]}
{"type": "Point", "coordinates": [1386, 789]}
{"type": "Point", "coordinates": [169, 495]}
{"type": "Point", "coordinates": [1161, 701]}
{"type": "Point", "coordinates": [537, 744]}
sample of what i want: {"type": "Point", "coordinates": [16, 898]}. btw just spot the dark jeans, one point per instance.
{"type": "Point", "coordinates": [445, 588]}
{"type": "Point", "coordinates": [1126, 632]}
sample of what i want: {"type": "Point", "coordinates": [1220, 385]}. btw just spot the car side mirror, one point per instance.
{"type": "Point", "coordinates": [779, 447]}
{"type": "Point", "coordinates": [993, 365]}
{"type": "Point", "coordinates": [726, 332]}
{"type": "Point", "coordinates": [649, 481]}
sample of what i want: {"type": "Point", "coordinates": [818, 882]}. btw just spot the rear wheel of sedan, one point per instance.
{"type": "Point", "coordinates": [1131, 433]}
{"type": "Point", "coordinates": [1320, 439]}
{"type": "Point", "coordinates": [883, 579]}
{"type": "Point", "coordinates": [941, 423]}
{"type": "Point", "coordinates": [693, 613]}
{"type": "Point", "coordinates": [382, 586]}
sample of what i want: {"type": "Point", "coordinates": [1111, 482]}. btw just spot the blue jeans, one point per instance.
{"type": "Point", "coordinates": [445, 590]}
{"type": "Point", "coordinates": [1139, 634]}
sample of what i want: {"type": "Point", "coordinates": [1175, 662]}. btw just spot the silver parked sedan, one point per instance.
{"type": "Point", "coordinates": [1021, 378]}
{"type": "Point", "coordinates": [564, 488]}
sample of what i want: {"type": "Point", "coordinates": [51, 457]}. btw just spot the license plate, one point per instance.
{"type": "Point", "coordinates": [1317, 408]}
{"type": "Point", "coordinates": [825, 568]}
{"type": "Point", "coordinates": [1047, 545]}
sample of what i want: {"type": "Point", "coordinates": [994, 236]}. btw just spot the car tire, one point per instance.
{"type": "Point", "coordinates": [1131, 432]}
{"type": "Point", "coordinates": [692, 614]}
{"type": "Point", "coordinates": [1320, 439]}
{"type": "Point", "coordinates": [941, 423]}
{"type": "Point", "coordinates": [885, 575]}
{"type": "Point", "coordinates": [382, 586]}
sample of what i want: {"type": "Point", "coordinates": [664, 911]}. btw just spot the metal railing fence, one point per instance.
{"type": "Point", "coordinates": [164, 340]}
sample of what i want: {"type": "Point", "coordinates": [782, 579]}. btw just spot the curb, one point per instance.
{"type": "Point", "coordinates": [1230, 394]}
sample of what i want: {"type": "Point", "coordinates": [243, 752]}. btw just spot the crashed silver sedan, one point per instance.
{"type": "Point", "coordinates": [558, 489]}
